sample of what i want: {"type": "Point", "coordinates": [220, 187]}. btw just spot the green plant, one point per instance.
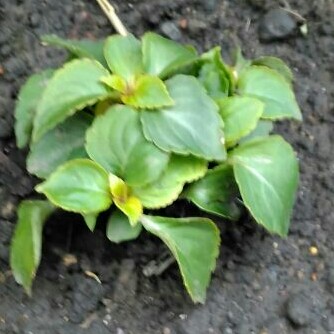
{"type": "Point", "coordinates": [137, 124]}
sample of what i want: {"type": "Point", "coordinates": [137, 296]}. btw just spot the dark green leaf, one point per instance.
{"type": "Point", "coordinates": [167, 188]}
{"type": "Point", "coordinates": [26, 247]}
{"type": "Point", "coordinates": [194, 243]}
{"type": "Point", "coordinates": [124, 57]}
{"type": "Point", "coordinates": [83, 48]}
{"type": "Point", "coordinates": [272, 89]}
{"type": "Point", "coordinates": [126, 153]}
{"type": "Point", "coordinates": [191, 126]}
{"type": "Point", "coordinates": [240, 115]}
{"type": "Point", "coordinates": [266, 170]}
{"type": "Point", "coordinates": [216, 193]}
{"type": "Point", "coordinates": [275, 64]}
{"type": "Point", "coordinates": [26, 107]}
{"type": "Point", "coordinates": [63, 143]}
{"type": "Point", "coordinates": [80, 186]}
{"type": "Point", "coordinates": [162, 56]}
{"type": "Point", "coordinates": [119, 228]}
{"type": "Point", "coordinates": [73, 87]}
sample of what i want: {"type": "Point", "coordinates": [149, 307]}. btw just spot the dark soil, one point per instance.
{"type": "Point", "coordinates": [262, 284]}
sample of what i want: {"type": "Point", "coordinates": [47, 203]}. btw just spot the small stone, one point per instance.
{"type": "Point", "coordinates": [209, 5]}
{"type": "Point", "coordinates": [170, 29]}
{"type": "Point", "coordinates": [195, 26]}
{"type": "Point", "coordinates": [299, 310]}
{"type": "Point", "coordinates": [277, 24]}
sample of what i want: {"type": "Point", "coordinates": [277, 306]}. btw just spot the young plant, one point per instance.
{"type": "Point", "coordinates": [134, 125]}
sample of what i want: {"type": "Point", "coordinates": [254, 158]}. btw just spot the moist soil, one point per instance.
{"type": "Point", "coordinates": [262, 284]}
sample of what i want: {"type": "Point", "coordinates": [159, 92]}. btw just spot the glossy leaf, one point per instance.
{"type": "Point", "coordinates": [26, 247]}
{"type": "Point", "coordinates": [119, 228]}
{"type": "Point", "coordinates": [165, 190]}
{"type": "Point", "coordinates": [124, 200]}
{"type": "Point", "coordinates": [194, 242]}
{"type": "Point", "coordinates": [276, 64]}
{"type": "Point", "coordinates": [126, 153]}
{"type": "Point", "coordinates": [162, 56]}
{"type": "Point", "coordinates": [240, 116]}
{"type": "Point", "coordinates": [124, 56]}
{"type": "Point", "coordinates": [73, 87]}
{"type": "Point", "coordinates": [80, 186]}
{"type": "Point", "coordinates": [63, 143]}
{"type": "Point", "coordinates": [216, 193]}
{"type": "Point", "coordinates": [266, 170]}
{"type": "Point", "coordinates": [84, 48]}
{"type": "Point", "coordinates": [149, 92]}
{"type": "Point", "coordinates": [263, 129]}
{"type": "Point", "coordinates": [26, 107]}
{"type": "Point", "coordinates": [191, 126]}
{"type": "Point", "coordinates": [272, 89]}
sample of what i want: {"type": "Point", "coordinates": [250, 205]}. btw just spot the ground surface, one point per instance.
{"type": "Point", "coordinates": [262, 284]}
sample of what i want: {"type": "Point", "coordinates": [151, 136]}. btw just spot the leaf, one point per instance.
{"type": "Point", "coordinates": [240, 115]}
{"type": "Point", "coordinates": [126, 153]}
{"type": "Point", "coordinates": [27, 101]}
{"type": "Point", "coordinates": [63, 143]}
{"type": "Point", "coordinates": [124, 56]}
{"type": "Point", "coordinates": [194, 242]}
{"type": "Point", "coordinates": [168, 187]}
{"type": "Point", "coordinates": [119, 228]}
{"type": "Point", "coordinates": [216, 193]}
{"type": "Point", "coordinates": [275, 64]}
{"type": "Point", "coordinates": [266, 170]}
{"type": "Point", "coordinates": [214, 58]}
{"type": "Point", "coordinates": [123, 199]}
{"type": "Point", "coordinates": [80, 186]}
{"type": "Point", "coordinates": [73, 87]}
{"type": "Point", "coordinates": [26, 246]}
{"type": "Point", "coordinates": [162, 56]}
{"type": "Point", "coordinates": [149, 92]}
{"type": "Point", "coordinates": [191, 126]}
{"type": "Point", "coordinates": [214, 80]}
{"type": "Point", "coordinates": [84, 48]}
{"type": "Point", "coordinates": [90, 220]}
{"type": "Point", "coordinates": [240, 63]}
{"type": "Point", "coordinates": [272, 89]}
{"type": "Point", "coordinates": [262, 129]}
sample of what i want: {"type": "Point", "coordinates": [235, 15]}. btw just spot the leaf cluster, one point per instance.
{"type": "Point", "coordinates": [134, 125]}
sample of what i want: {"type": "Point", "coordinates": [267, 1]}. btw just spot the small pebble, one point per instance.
{"type": "Point", "coordinates": [277, 24]}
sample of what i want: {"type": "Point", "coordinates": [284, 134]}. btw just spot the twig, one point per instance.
{"type": "Point", "coordinates": [109, 10]}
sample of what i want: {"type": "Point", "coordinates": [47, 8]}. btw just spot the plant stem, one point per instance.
{"type": "Point", "coordinates": [109, 10]}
